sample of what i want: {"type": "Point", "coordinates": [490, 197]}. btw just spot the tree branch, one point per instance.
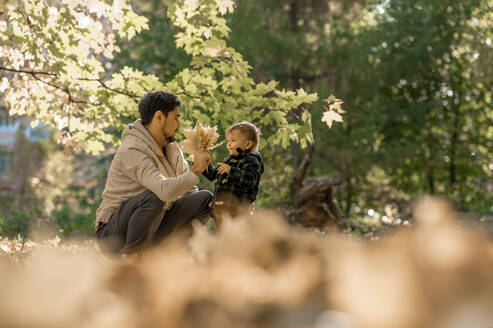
{"type": "Point", "coordinates": [187, 94]}
{"type": "Point", "coordinates": [103, 84]}
{"type": "Point", "coordinates": [183, 92]}
{"type": "Point", "coordinates": [34, 75]}
{"type": "Point", "coordinates": [26, 72]}
{"type": "Point", "coordinates": [71, 99]}
{"type": "Point", "coordinates": [297, 182]}
{"type": "Point", "coordinates": [66, 90]}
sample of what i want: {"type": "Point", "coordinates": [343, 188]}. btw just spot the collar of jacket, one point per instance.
{"type": "Point", "coordinates": [171, 161]}
{"type": "Point", "coordinates": [244, 154]}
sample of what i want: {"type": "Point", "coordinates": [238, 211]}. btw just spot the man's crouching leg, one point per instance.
{"type": "Point", "coordinates": [178, 218]}
{"type": "Point", "coordinates": [131, 227]}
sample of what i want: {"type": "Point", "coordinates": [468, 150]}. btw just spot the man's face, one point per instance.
{"type": "Point", "coordinates": [171, 124]}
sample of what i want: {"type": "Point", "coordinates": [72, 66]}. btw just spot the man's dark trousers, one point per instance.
{"type": "Point", "coordinates": [142, 220]}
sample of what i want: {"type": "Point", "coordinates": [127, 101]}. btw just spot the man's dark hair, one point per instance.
{"type": "Point", "coordinates": [156, 100]}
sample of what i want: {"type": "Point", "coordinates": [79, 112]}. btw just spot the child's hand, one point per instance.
{"type": "Point", "coordinates": [223, 168]}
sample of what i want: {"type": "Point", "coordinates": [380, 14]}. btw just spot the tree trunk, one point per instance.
{"type": "Point", "coordinates": [294, 75]}
{"type": "Point", "coordinates": [349, 195]}
{"type": "Point", "coordinates": [297, 183]}
{"type": "Point", "coordinates": [431, 181]}
{"type": "Point", "coordinates": [293, 16]}
{"type": "Point", "coordinates": [347, 173]}
{"type": "Point", "coordinates": [453, 148]}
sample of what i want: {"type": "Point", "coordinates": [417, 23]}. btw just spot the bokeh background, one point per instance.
{"type": "Point", "coordinates": [415, 79]}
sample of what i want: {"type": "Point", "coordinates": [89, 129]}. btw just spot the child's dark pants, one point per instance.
{"type": "Point", "coordinates": [142, 221]}
{"type": "Point", "coordinates": [227, 205]}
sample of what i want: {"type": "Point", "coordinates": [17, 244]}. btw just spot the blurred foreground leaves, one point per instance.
{"type": "Point", "coordinates": [260, 272]}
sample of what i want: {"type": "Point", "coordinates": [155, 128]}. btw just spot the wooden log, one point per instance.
{"type": "Point", "coordinates": [312, 199]}
{"type": "Point", "coordinates": [313, 187]}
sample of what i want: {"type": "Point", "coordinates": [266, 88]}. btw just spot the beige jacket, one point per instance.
{"type": "Point", "coordinates": [140, 164]}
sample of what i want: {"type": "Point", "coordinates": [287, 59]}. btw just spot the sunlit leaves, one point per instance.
{"type": "Point", "coordinates": [4, 84]}
{"type": "Point", "coordinates": [225, 6]}
{"type": "Point", "coordinates": [3, 26]}
{"type": "Point", "coordinates": [95, 146]}
{"type": "Point", "coordinates": [219, 83]}
{"type": "Point", "coordinates": [62, 48]}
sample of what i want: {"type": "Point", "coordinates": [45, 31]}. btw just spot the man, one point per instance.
{"type": "Point", "coordinates": [150, 192]}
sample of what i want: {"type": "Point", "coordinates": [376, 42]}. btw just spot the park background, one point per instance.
{"type": "Point", "coordinates": [414, 77]}
{"type": "Point", "coordinates": [365, 106]}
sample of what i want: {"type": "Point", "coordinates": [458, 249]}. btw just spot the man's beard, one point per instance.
{"type": "Point", "coordinates": [171, 138]}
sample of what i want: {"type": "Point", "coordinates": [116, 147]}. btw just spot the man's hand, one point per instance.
{"type": "Point", "coordinates": [200, 161]}
{"type": "Point", "coordinates": [223, 168]}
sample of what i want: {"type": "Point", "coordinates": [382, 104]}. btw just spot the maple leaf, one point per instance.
{"type": "Point", "coordinates": [225, 5]}
{"type": "Point", "coordinates": [330, 116]}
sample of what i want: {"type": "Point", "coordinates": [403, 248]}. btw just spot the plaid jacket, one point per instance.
{"type": "Point", "coordinates": [243, 178]}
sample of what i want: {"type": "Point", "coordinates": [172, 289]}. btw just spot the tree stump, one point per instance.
{"type": "Point", "coordinates": [315, 206]}
{"type": "Point", "coordinates": [312, 198]}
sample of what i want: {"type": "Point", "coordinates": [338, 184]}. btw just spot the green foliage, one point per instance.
{"type": "Point", "coordinates": [45, 194]}
{"type": "Point", "coordinates": [61, 46]}
{"type": "Point", "coordinates": [20, 222]}
{"type": "Point", "coordinates": [153, 50]}
{"type": "Point", "coordinates": [64, 81]}
{"type": "Point", "coordinates": [69, 223]}
{"type": "Point", "coordinates": [434, 101]}
{"type": "Point", "coordinates": [414, 88]}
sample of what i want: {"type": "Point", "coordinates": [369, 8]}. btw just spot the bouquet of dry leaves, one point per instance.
{"type": "Point", "coordinates": [199, 138]}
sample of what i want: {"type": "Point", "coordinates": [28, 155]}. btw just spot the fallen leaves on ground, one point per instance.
{"type": "Point", "coordinates": [260, 272]}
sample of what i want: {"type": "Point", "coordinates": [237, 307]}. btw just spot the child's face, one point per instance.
{"type": "Point", "coordinates": [238, 139]}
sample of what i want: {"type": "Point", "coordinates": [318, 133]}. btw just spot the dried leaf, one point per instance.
{"type": "Point", "coordinates": [199, 138]}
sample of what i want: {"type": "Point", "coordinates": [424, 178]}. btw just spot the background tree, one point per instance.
{"type": "Point", "coordinates": [432, 96]}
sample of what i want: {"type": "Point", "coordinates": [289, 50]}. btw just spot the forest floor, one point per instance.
{"type": "Point", "coordinates": [261, 272]}
{"type": "Point", "coordinates": [18, 249]}
{"type": "Point", "coordinates": [482, 222]}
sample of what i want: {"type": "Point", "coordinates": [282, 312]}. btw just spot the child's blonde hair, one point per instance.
{"type": "Point", "coordinates": [251, 131]}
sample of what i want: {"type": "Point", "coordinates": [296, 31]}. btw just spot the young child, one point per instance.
{"type": "Point", "coordinates": [237, 179]}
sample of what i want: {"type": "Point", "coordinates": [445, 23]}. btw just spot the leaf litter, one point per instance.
{"type": "Point", "coordinates": [259, 271]}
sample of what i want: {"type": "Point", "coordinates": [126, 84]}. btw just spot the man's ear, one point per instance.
{"type": "Point", "coordinates": [159, 115]}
